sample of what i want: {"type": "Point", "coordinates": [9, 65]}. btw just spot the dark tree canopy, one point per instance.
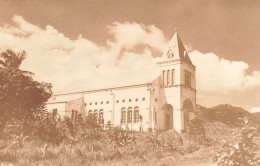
{"type": "Point", "coordinates": [21, 97]}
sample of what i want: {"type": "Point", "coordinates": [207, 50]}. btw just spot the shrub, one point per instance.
{"type": "Point", "coordinates": [242, 151]}
{"type": "Point", "coordinates": [196, 130]}
{"type": "Point", "coordinates": [121, 137]}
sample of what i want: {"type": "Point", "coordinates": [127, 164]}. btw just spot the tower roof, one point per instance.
{"type": "Point", "coordinates": [176, 50]}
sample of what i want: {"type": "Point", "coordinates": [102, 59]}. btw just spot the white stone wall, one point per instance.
{"type": "Point", "coordinates": [155, 96]}
{"type": "Point", "coordinates": [59, 106]}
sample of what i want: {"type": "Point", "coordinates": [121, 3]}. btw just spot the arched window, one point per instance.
{"type": "Point", "coordinates": [136, 114]}
{"type": "Point", "coordinates": [72, 114]}
{"type": "Point", "coordinates": [123, 115]}
{"type": "Point", "coordinates": [163, 78]}
{"type": "Point", "coordinates": [54, 113]}
{"type": "Point", "coordinates": [76, 115]}
{"type": "Point", "coordinates": [129, 115]}
{"type": "Point", "coordinates": [101, 116]}
{"type": "Point", "coordinates": [168, 77]}
{"type": "Point", "coordinates": [155, 116]}
{"type": "Point", "coordinates": [173, 76]}
{"type": "Point", "coordinates": [90, 112]}
{"type": "Point", "coordinates": [95, 114]}
{"type": "Point", "coordinates": [187, 78]}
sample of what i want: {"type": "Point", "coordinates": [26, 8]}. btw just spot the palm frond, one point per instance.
{"type": "Point", "coordinates": [2, 63]}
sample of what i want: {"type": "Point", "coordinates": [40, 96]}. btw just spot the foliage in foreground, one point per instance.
{"type": "Point", "coordinates": [242, 150]}
{"type": "Point", "coordinates": [21, 97]}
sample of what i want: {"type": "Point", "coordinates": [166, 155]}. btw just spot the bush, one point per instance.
{"type": "Point", "coordinates": [120, 137]}
{"type": "Point", "coordinates": [242, 151]}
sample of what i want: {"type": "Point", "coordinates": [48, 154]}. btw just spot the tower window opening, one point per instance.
{"type": "Point", "coordinates": [168, 78]}
{"type": "Point", "coordinates": [173, 76]}
{"type": "Point", "coordinates": [164, 78]}
{"type": "Point", "coordinates": [187, 79]}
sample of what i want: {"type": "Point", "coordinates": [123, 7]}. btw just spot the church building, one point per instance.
{"type": "Point", "coordinates": [160, 98]}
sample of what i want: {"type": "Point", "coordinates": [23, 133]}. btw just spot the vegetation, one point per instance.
{"type": "Point", "coordinates": [31, 136]}
{"type": "Point", "coordinates": [241, 150]}
{"type": "Point", "coordinates": [21, 97]}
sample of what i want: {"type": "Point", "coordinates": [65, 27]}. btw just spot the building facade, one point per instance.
{"type": "Point", "coordinates": [160, 98]}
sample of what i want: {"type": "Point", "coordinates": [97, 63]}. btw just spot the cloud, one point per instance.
{"type": "Point", "coordinates": [218, 75]}
{"type": "Point", "coordinates": [128, 35]}
{"type": "Point", "coordinates": [55, 58]}
{"type": "Point", "coordinates": [255, 109]}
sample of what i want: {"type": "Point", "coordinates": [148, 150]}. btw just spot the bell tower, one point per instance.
{"type": "Point", "coordinates": [178, 85]}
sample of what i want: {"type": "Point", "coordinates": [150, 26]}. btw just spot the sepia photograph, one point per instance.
{"type": "Point", "coordinates": [129, 82]}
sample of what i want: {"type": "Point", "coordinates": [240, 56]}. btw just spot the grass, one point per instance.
{"type": "Point", "coordinates": [166, 148]}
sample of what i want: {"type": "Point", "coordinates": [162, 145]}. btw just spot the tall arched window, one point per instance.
{"type": "Point", "coordinates": [101, 116]}
{"type": "Point", "coordinates": [187, 78]}
{"type": "Point", "coordinates": [136, 114]}
{"type": "Point", "coordinates": [173, 77]}
{"type": "Point", "coordinates": [168, 77]}
{"type": "Point", "coordinates": [123, 115]}
{"type": "Point", "coordinates": [76, 115]}
{"type": "Point", "coordinates": [129, 115]}
{"type": "Point", "coordinates": [72, 114]}
{"type": "Point", "coordinates": [95, 114]}
{"type": "Point", "coordinates": [163, 78]}
{"type": "Point", "coordinates": [90, 112]}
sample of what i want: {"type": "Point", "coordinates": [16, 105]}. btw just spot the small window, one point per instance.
{"type": "Point", "coordinates": [136, 99]}
{"type": "Point", "coordinates": [129, 115]}
{"type": "Point", "coordinates": [76, 115]}
{"type": "Point", "coordinates": [54, 113]}
{"type": "Point", "coordinates": [123, 100]}
{"type": "Point", "coordinates": [107, 102]}
{"type": "Point", "coordinates": [90, 112]}
{"type": "Point", "coordinates": [117, 101]}
{"type": "Point", "coordinates": [168, 77]}
{"type": "Point", "coordinates": [155, 116]}
{"type": "Point", "coordinates": [101, 116]}
{"type": "Point", "coordinates": [136, 115]}
{"type": "Point", "coordinates": [130, 100]}
{"type": "Point", "coordinates": [163, 77]}
{"type": "Point", "coordinates": [95, 114]}
{"type": "Point", "coordinates": [72, 114]}
{"type": "Point", "coordinates": [90, 103]}
{"type": "Point", "coordinates": [173, 77]}
{"type": "Point", "coordinates": [95, 103]}
{"type": "Point", "coordinates": [187, 79]}
{"type": "Point", "coordinates": [123, 115]}
{"type": "Point", "coordinates": [143, 99]}
{"type": "Point", "coordinates": [155, 99]}
{"type": "Point", "coordinates": [85, 104]}
{"type": "Point", "coordinates": [101, 102]}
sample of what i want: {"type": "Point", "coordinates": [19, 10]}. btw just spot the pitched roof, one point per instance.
{"type": "Point", "coordinates": [176, 50]}
{"type": "Point", "coordinates": [113, 81]}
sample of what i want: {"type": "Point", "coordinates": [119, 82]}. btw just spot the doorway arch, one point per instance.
{"type": "Point", "coordinates": [167, 116]}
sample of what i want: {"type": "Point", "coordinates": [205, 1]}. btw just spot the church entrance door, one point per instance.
{"type": "Point", "coordinates": [168, 116]}
{"type": "Point", "coordinates": [167, 121]}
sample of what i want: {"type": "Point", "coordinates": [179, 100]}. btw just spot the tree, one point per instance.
{"type": "Point", "coordinates": [21, 97]}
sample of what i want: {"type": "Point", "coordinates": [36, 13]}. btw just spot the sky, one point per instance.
{"type": "Point", "coordinates": [73, 40]}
